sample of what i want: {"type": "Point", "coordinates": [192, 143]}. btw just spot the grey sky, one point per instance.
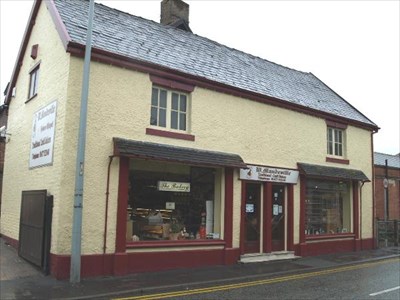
{"type": "Point", "coordinates": [352, 46]}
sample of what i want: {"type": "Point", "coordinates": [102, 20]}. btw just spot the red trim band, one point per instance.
{"type": "Point", "coordinates": [170, 134]}
{"type": "Point", "coordinates": [180, 243]}
{"type": "Point", "coordinates": [330, 236]}
{"type": "Point", "coordinates": [120, 242]}
{"type": "Point", "coordinates": [228, 216]}
{"type": "Point", "coordinates": [335, 124]}
{"type": "Point", "coordinates": [172, 84]}
{"type": "Point", "coordinates": [338, 160]}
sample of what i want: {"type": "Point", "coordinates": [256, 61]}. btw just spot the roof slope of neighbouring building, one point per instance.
{"type": "Point", "coordinates": [393, 160]}
{"type": "Point", "coordinates": [150, 42]}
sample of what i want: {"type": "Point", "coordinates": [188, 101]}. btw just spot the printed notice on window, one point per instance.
{"type": "Point", "coordinates": [42, 141]}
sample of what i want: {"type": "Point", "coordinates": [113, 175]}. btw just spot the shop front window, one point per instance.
{"type": "Point", "coordinates": [328, 207]}
{"type": "Point", "coordinates": [173, 202]}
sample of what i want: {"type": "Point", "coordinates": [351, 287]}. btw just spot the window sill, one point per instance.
{"type": "Point", "coordinates": [170, 244]}
{"type": "Point", "coordinates": [31, 98]}
{"type": "Point", "coordinates": [338, 160]}
{"type": "Point", "coordinates": [170, 134]}
{"type": "Point", "coordinates": [329, 236]}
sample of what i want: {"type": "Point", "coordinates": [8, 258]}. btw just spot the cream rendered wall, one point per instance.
{"type": "Point", "coordinates": [119, 106]}
{"type": "Point", "coordinates": [53, 76]}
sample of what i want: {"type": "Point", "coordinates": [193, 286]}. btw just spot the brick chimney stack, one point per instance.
{"type": "Point", "coordinates": [175, 13]}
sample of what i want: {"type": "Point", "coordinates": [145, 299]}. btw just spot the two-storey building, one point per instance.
{"type": "Point", "coordinates": [196, 153]}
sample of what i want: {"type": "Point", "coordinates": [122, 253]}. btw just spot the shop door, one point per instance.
{"type": "Point", "coordinates": [252, 218]}
{"type": "Point", "coordinates": [278, 218]}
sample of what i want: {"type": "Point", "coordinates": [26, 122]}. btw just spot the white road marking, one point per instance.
{"type": "Point", "coordinates": [385, 291]}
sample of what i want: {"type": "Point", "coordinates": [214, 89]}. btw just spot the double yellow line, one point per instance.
{"type": "Point", "coordinates": [259, 282]}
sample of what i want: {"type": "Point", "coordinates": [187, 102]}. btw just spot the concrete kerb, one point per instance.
{"type": "Point", "coordinates": [232, 280]}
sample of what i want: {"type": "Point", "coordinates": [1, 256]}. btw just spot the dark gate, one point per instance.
{"type": "Point", "coordinates": [388, 233]}
{"type": "Point", "coordinates": [35, 228]}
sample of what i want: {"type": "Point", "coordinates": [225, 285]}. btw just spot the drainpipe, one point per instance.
{"type": "Point", "coordinates": [107, 197]}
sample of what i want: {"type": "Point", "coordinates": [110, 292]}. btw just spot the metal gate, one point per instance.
{"type": "Point", "coordinates": [35, 228]}
{"type": "Point", "coordinates": [388, 233]}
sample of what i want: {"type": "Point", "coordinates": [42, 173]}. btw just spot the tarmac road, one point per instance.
{"type": "Point", "coordinates": [370, 280]}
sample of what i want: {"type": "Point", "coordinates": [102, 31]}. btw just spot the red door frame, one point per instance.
{"type": "Point", "coordinates": [267, 216]}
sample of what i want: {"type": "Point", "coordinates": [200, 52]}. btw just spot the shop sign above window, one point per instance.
{"type": "Point", "coordinates": [260, 173]}
{"type": "Point", "coordinates": [169, 186]}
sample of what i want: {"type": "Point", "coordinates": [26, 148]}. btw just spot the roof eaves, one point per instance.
{"type": "Point", "coordinates": [62, 31]}
{"type": "Point", "coordinates": [60, 26]}
{"type": "Point", "coordinates": [112, 58]}
{"type": "Point", "coordinates": [21, 52]}
{"type": "Point", "coordinates": [376, 128]}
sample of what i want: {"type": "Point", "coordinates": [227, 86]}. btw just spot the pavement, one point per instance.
{"type": "Point", "coordinates": [20, 280]}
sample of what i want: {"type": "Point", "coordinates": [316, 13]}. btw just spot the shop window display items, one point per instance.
{"type": "Point", "coordinates": [172, 202]}
{"type": "Point", "coordinates": [328, 208]}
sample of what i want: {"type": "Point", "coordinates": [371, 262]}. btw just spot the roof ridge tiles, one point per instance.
{"type": "Point", "coordinates": [179, 31]}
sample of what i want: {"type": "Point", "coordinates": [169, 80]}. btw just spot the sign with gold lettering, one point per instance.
{"type": "Point", "coordinates": [261, 173]}
{"type": "Point", "coordinates": [169, 186]}
{"type": "Point", "coordinates": [42, 141]}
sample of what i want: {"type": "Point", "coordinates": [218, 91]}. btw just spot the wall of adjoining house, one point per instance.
{"type": "Point", "coordinates": [394, 193]}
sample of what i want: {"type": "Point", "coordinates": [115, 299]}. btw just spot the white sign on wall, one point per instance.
{"type": "Point", "coordinates": [170, 186]}
{"type": "Point", "coordinates": [261, 173]}
{"type": "Point", "coordinates": [42, 141]}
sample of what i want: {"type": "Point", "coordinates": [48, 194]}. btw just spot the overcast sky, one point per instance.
{"type": "Point", "coordinates": [352, 46]}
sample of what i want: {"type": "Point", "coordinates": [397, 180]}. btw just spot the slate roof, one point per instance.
{"type": "Point", "coordinates": [393, 160]}
{"type": "Point", "coordinates": [332, 172]}
{"type": "Point", "coordinates": [148, 41]}
{"type": "Point", "coordinates": [155, 151]}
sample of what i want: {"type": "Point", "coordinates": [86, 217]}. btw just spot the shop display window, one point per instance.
{"type": "Point", "coordinates": [328, 207]}
{"type": "Point", "coordinates": [173, 202]}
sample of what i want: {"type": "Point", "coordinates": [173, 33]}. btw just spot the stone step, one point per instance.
{"type": "Point", "coordinates": [262, 257]}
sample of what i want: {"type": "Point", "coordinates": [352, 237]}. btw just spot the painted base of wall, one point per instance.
{"type": "Point", "coordinates": [334, 246]}
{"type": "Point", "coordinates": [118, 264]}
{"type": "Point", "coordinates": [12, 242]}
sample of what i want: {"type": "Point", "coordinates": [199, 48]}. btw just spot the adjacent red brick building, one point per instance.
{"type": "Point", "coordinates": [392, 173]}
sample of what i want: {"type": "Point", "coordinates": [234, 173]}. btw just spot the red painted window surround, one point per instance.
{"type": "Point", "coordinates": [329, 236]}
{"type": "Point", "coordinates": [180, 243]}
{"type": "Point", "coordinates": [336, 124]}
{"type": "Point", "coordinates": [172, 84]}
{"type": "Point", "coordinates": [338, 160]}
{"type": "Point", "coordinates": [170, 134]}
